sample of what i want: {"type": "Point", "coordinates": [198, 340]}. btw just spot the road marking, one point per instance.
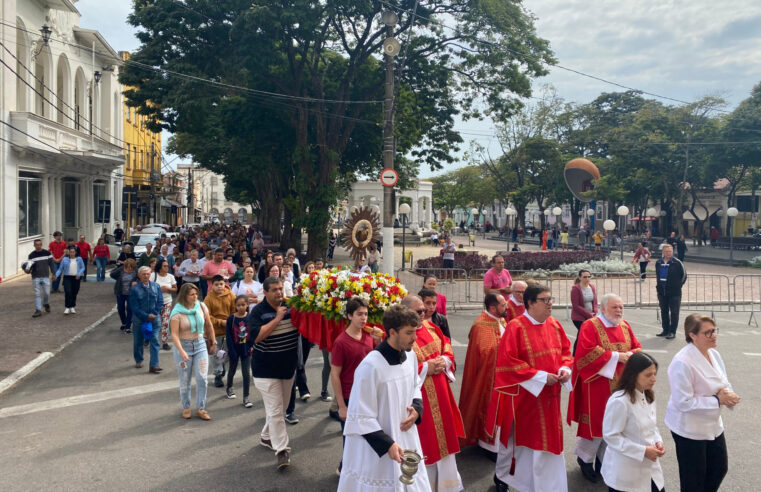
{"type": "Point", "coordinates": [25, 371]}
{"type": "Point", "coordinates": [71, 401]}
{"type": "Point", "coordinates": [752, 354]}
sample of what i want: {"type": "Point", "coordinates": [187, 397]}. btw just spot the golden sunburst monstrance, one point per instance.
{"type": "Point", "coordinates": [360, 232]}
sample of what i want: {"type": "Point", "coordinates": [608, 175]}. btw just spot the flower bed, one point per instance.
{"type": "Point", "coordinates": [609, 266]}
{"type": "Point", "coordinates": [326, 292]}
{"type": "Point", "coordinates": [547, 260]}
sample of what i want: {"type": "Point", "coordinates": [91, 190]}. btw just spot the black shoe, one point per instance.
{"type": "Point", "coordinates": [670, 336]}
{"type": "Point", "coordinates": [588, 470]}
{"type": "Point", "coordinates": [146, 343]}
{"type": "Point", "coordinates": [127, 330]}
{"type": "Point", "coordinates": [662, 334]}
{"type": "Point", "coordinates": [37, 313]}
{"type": "Point", "coordinates": [47, 308]}
{"type": "Point", "coordinates": [218, 381]}
{"type": "Point", "coordinates": [291, 419]}
{"type": "Point", "coordinates": [230, 393]}
{"type": "Point", "coordinates": [247, 403]}
{"type": "Point", "coordinates": [283, 460]}
{"type": "Point", "coordinates": [165, 346]}
{"type": "Point", "coordinates": [324, 396]}
{"type": "Point", "coordinates": [501, 486]}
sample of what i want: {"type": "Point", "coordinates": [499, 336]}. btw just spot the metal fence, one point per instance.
{"type": "Point", "coordinates": [701, 292]}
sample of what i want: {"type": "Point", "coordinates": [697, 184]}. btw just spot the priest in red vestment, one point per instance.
{"type": "Point", "coordinates": [441, 424]}
{"type": "Point", "coordinates": [604, 345]}
{"type": "Point", "coordinates": [478, 376]}
{"type": "Point", "coordinates": [515, 305]}
{"type": "Point", "coordinates": [533, 361]}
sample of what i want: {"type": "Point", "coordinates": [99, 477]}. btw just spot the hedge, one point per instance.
{"type": "Point", "coordinates": [546, 260]}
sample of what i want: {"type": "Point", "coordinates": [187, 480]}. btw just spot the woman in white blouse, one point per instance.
{"type": "Point", "coordinates": [249, 287]}
{"type": "Point", "coordinates": [630, 430]}
{"type": "Point", "coordinates": [699, 388]}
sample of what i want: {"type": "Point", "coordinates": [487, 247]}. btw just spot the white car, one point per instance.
{"type": "Point", "coordinates": [139, 241]}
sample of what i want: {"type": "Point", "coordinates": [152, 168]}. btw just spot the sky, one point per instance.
{"type": "Point", "coordinates": [680, 49]}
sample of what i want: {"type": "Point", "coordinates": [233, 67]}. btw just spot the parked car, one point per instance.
{"type": "Point", "coordinates": [166, 227]}
{"type": "Point", "coordinates": [139, 241]}
{"type": "Point", "coordinates": [114, 248]}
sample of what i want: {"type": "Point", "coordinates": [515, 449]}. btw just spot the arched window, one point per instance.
{"type": "Point", "coordinates": [62, 99]}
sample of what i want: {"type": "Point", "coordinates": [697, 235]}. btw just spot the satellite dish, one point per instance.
{"type": "Point", "coordinates": [391, 47]}
{"type": "Point", "coordinates": [579, 175]}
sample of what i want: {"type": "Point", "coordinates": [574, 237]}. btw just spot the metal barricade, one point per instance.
{"type": "Point", "coordinates": [700, 293]}
{"type": "Point", "coordinates": [746, 295]}
{"type": "Point", "coordinates": [622, 284]}
{"type": "Point", "coordinates": [451, 282]}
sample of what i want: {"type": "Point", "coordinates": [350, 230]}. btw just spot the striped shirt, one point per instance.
{"type": "Point", "coordinates": [275, 356]}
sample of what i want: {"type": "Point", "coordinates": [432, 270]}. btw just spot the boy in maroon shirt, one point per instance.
{"type": "Point", "coordinates": [349, 348]}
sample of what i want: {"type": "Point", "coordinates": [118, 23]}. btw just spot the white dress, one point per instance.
{"type": "Point", "coordinates": [379, 399]}
{"type": "Point", "coordinates": [627, 429]}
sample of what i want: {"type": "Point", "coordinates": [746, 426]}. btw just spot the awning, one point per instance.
{"type": "Point", "coordinates": [166, 203]}
{"type": "Point", "coordinates": [700, 212]}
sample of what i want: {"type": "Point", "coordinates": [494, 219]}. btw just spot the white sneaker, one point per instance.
{"type": "Point", "coordinates": [66, 311]}
{"type": "Point", "coordinates": [73, 311]}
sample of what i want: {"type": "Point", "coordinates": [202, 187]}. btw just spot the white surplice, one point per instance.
{"type": "Point", "coordinates": [379, 399]}
{"type": "Point", "coordinates": [628, 428]}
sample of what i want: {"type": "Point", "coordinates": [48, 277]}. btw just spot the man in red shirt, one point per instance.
{"type": "Point", "coordinates": [85, 252]}
{"type": "Point", "coordinates": [349, 348]}
{"type": "Point", "coordinates": [57, 248]}
{"type": "Point", "coordinates": [497, 280]}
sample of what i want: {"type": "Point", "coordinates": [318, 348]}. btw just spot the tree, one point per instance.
{"type": "Point", "coordinates": [287, 76]}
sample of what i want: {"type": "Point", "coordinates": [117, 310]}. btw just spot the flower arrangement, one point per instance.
{"type": "Point", "coordinates": [327, 291]}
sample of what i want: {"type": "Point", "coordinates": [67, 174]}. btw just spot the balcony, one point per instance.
{"type": "Point", "coordinates": [53, 139]}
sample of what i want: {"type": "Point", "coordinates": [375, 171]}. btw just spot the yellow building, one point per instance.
{"type": "Point", "coordinates": [142, 168]}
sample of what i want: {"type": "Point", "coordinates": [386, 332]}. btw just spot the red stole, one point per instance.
{"type": "Point", "coordinates": [513, 310]}
{"type": "Point", "coordinates": [590, 394]}
{"type": "Point", "coordinates": [478, 378]}
{"type": "Point", "coordinates": [525, 349]}
{"type": "Point", "coordinates": [441, 424]}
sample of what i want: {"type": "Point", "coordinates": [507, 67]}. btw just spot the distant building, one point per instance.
{"type": "Point", "coordinates": [61, 153]}
{"type": "Point", "coordinates": [209, 197]}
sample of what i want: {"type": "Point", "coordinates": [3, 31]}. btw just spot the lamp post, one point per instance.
{"type": "Point", "coordinates": [484, 214]}
{"type": "Point", "coordinates": [509, 213]}
{"type": "Point", "coordinates": [731, 214]}
{"type": "Point", "coordinates": [474, 213]}
{"type": "Point", "coordinates": [404, 209]}
{"type": "Point", "coordinates": [609, 225]}
{"type": "Point", "coordinates": [391, 48]}
{"type": "Point", "coordinates": [622, 211]}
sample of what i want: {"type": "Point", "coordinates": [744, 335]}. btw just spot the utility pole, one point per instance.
{"type": "Point", "coordinates": [390, 49]}
{"type": "Point", "coordinates": [191, 215]}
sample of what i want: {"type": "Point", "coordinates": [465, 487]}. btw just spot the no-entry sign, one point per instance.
{"type": "Point", "coordinates": [389, 177]}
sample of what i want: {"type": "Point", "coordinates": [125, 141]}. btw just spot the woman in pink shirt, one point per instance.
{"type": "Point", "coordinates": [429, 282]}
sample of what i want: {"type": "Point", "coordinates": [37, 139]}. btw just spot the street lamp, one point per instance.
{"type": "Point", "coordinates": [731, 214]}
{"type": "Point", "coordinates": [474, 213]}
{"type": "Point", "coordinates": [509, 212]}
{"type": "Point", "coordinates": [484, 214]}
{"type": "Point", "coordinates": [609, 225]}
{"type": "Point", "coordinates": [622, 211]}
{"type": "Point", "coordinates": [404, 209]}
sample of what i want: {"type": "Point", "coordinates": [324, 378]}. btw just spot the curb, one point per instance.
{"type": "Point", "coordinates": [35, 363]}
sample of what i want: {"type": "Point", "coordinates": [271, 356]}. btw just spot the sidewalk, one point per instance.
{"type": "Point", "coordinates": [26, 338]}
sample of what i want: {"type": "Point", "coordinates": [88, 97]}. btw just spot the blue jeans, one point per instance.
{"type": "Point", "coordinates": [100, 262]}
{"type": "Point", "coordinates": [57, 281]}
{"type": "Point", "coordinates": [125, 313]}
{"type": "Point", "coordinates": [198, 364]}
{"type": "Point", "coordinates": [137, 341]}
{"type": "Point", "coordinates": [41, 292]}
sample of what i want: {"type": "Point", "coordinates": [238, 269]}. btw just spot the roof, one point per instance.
{"type": "Point", "coordinates": [66, 5]}
{"type": "Point", "coordinates": [102, 48]}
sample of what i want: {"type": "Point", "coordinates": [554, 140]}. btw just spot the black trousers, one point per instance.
{"type": "Point", "coordinates": [642, 269]}
{"type": "Point", "coordinates": [577, 324]}
{"type": "Point", "coordinates": [301, 376]}
{"type": "Point", "coordinates": [669, 312]}
{"type": "Point", "coordinates": [702, 464]}
{"type": "Point", "coordinates": [70, 289]}
{"type": "Point", "coordinates": [653, 488]}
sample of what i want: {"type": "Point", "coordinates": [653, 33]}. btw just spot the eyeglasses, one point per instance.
{"type": "Point", "coordinates": [710, 333]}
{"type": "Point", "coordinates": [420, 312]}
{"type": "Point", "coordinates": [546, 300]}
{"type": "Point", "coordinates": [586, 276]}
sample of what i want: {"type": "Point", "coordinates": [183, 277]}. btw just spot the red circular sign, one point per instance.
{"type": "Point", "coordinates": [389, 177]}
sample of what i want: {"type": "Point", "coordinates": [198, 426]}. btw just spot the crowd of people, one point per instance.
{"type": "Point", "coordinates": [217, 294]}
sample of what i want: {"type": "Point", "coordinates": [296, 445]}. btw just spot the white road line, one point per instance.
{"type": "Point", "coordinates": [84, 399]}
{"type": "Point", "coordinates": [752, 354]}
{"type": "Point", "coordinates": [25, 371]}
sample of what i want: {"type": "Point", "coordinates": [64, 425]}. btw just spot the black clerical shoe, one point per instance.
{"type": "Point", "coordinates": [501, 486]}
{"type": "Point", "coordinates": [670, 336]}
{"type": "Point", "coordinates": [588, 470]}
{"type": "Point", "coordinates": [662, 334]}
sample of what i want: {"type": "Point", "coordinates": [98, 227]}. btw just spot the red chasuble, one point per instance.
{"type": "Point", "coordinates": [525, 349]}
{"type": "Point", "coordinates": [591, 391]}
{"type": "Point", "coordinates": [478, 378]}
{"type": "Point", "coordinates": [441, 425]}
{"type": "Point", "coordinates": [513, 310]}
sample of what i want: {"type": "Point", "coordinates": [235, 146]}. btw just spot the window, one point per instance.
{"type": "Point", "coordinates": [127, 154]}
{"type": "Point", "coordinates": [142, 166]}
{"type": "Point", "coordinates": [70, 218]}
{"type": "Point", "coordinates": [98, 193]}
{"type": "Point", "coordinates": [134, 157]}
{"type": "Point", "coordinates": [129, 113]}
{"type": "Point", "coordinates": [29, 191]}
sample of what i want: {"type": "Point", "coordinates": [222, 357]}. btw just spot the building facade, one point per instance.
{"type": "Point", "coordinates": [209, 197]}
{"type": "Point", "coordinates": [420, 199]}
{"type": "Point", "coordinates": [61, 146]}
{"type": "Point", "coordinates": [142, 200]}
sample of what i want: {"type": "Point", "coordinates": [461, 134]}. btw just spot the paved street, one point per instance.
{"type": "Point", "coordinates": [89, 420]}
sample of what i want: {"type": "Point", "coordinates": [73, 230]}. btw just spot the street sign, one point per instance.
{"type": "Point", "coordinates": [389, 177]}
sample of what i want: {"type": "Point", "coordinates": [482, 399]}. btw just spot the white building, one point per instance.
{"type": "Point", "coordinates": [368, 193]}
{"type": "Point", "coordinates": [211, 198]}
{"type": "Point", "coordinates": [60, 147]}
